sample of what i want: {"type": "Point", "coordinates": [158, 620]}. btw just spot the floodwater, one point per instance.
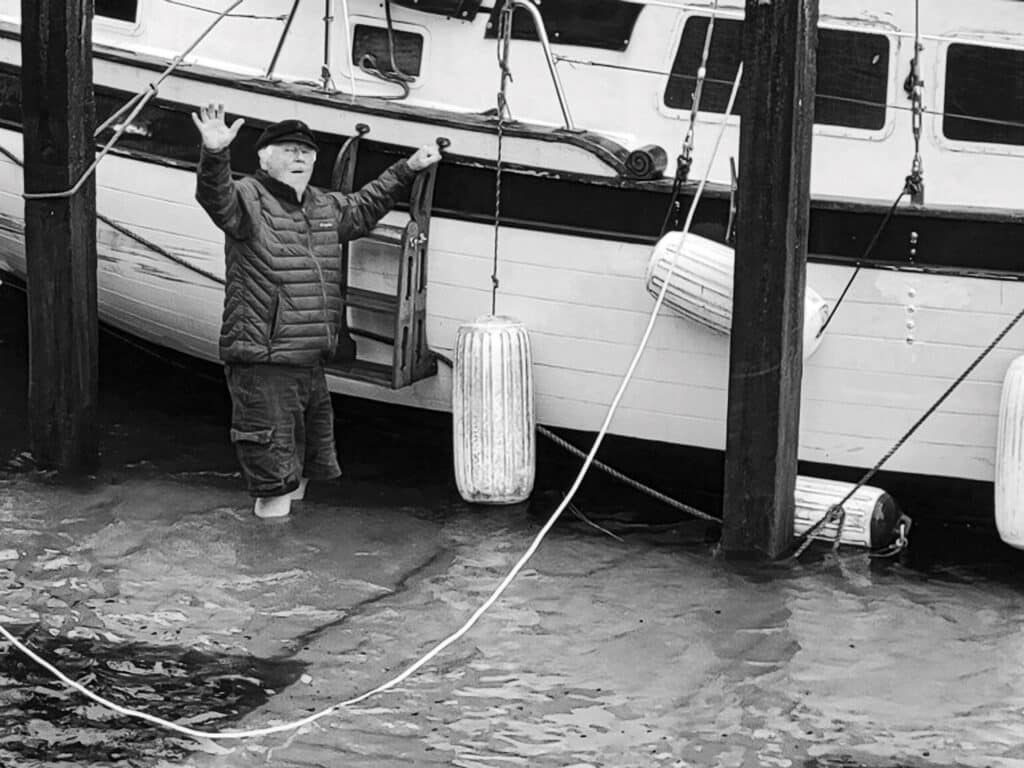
{"type": "Point", "coordinates": [153, 584]}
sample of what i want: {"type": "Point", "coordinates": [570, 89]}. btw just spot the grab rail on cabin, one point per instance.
{"type": "Point", "coordinates": [542, 35]}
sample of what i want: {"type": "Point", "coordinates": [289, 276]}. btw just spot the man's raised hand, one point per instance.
{"type": "Point", "coordinates": [424, 157]}
{"type": "Point", "coordinates": [215, 132]}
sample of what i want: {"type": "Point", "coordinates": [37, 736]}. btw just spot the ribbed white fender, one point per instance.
{"type": "Point", "coordinates": [1009, 501]}
{"type": "Point", "coordinates": [493, 419]}
{"type": "Point", "coordinates": [872, 515]}
{"type": "Point", "coordinates": [700, 277]}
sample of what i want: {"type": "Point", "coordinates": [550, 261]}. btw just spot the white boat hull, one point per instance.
{"type": "Point", "coordinates": [898, 339]}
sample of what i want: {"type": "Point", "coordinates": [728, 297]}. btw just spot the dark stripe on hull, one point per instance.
{"type": "Point", "coordinates": [947, 240]}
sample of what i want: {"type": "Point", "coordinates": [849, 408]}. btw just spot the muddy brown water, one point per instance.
{"type": "Point", "coordinates": [153, 584]}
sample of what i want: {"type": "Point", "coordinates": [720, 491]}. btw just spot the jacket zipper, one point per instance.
{"type": "Point", "coordinates": [320, 274]}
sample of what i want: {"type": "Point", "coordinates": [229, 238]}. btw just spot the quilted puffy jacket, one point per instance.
{"type": "Point", "coordinates": [282, 298]}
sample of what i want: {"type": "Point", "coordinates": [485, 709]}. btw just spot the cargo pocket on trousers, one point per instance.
{"type": "Point", "coordinates": [258, 436]}
{"type": "Point", "coordinates": [256, 455]}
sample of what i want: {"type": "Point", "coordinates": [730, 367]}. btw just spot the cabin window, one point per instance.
{"type": "Point", "coordinates": [373, 42]}
{"type": "Point", "coordinates": [984, 98]}
{"type": "Point", "coordinates": [604, 24]}
{"type": "Point", "coordinates": [122, 10]}
{"type": "Point", "coordinates": [853, 73]}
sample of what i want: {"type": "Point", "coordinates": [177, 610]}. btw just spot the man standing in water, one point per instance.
{"type": "Point", "coordinates": [282, 299]}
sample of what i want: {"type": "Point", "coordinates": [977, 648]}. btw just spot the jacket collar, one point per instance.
{"type": "Point", "coordinates": [279, 189]}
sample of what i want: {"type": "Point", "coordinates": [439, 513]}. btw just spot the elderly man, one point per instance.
{"type": "Point", "coordinates": [282, 299]}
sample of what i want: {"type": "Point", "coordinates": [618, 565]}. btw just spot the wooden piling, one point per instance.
{"type": "Point", "coordinates": [60, 233]}
{"type": "Point", "coordinates": [765, 361]}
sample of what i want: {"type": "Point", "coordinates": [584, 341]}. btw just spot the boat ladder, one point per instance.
{"type": "Point", "coordinates": [392, 317]}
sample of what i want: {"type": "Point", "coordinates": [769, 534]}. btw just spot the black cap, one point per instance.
{"type": "Point", "coordinates": [286, 130]}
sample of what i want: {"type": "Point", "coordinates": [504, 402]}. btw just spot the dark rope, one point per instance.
{"type": "Point", "coordinates": [837, 509]}
{"type": "Point", "coordinates": [368, 65]}
{"type": "Point", "coordinates": [134, 235]}
{"type": "Point", "coordinates": [504, 44]}
{"type": "Point", "coordinates": [160, 250]}
{"type": "Point", "coordinates": [368, 62]}
{"type": "Point", "coordinates": [685, 159]}
{"type": "Point", "coordinates": [864, 257]}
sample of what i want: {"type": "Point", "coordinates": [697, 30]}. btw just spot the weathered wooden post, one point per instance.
{"type": "Point", "coordinates": [765, 361]}
{"type": "Point", "coordinates": [60, 232]}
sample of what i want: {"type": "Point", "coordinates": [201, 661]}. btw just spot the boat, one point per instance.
{"type": "Point", "coordinates": [597, 108]}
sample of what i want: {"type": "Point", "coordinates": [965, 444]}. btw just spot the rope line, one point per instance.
{"type": "Point", "coordinates": [136, 104]}
{"type": "Point", "coordinates": [135, 235]}
{"type": "Point", "coordinates": [475, 617]}
{"type": "Point", "coordinates": [684, 160]}
{"type": "Point", "coordinates": [823, 96]}
{"type": "Point", "coordinates": [628, 480]}
{"type": "Point", "coordinates": [860, 262]}
{"type": "Point", "coordinates": [256, 16]}
{"type": "Point", "coordinates": [368, 62]}
{"type": "Point", "coordinates": [915, 86]}
{"type": "Point", "coordinates": [504, 44]}
{"type": "Point", "coordinates": [837, 509]}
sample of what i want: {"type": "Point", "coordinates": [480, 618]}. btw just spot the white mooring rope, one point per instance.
{"type": "Point", "coordinates": [479, 612]}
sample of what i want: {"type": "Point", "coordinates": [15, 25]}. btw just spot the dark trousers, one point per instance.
{"type": "Point", "coordinates": [282, 425]}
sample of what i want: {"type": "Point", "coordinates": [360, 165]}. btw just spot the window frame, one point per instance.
{"type": "Point", "coordinates": [344, 58]}
{"type": "Point", "coordinates": [820, 129]}
{"type": "Point", "coordinates": [397, 30]}
{"type": "Point", "coordinates": [934, 121]}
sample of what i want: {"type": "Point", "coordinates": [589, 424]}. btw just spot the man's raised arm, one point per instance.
{"type": "Point", "coordinates": [215, 190]}
{"type": "Point", "coordinates": [360, 211]}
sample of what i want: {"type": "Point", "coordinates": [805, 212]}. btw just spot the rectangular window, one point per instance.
{"type": "Point", "coordinates": [724, 58]}
{"type": "Point", "coordinates": [984, 99]}
{"type": "Point", "coordinates": [604, 24]}
{"type": "Point", "coordinates": [853, 73]}
{"type": "Point", "coordinates": [371, 48]}
{"type": "Point", "coordinates": [122, 10]}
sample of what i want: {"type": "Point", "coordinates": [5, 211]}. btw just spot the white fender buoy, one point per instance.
{"type": "Point", "coordinates": [700, 276]}
{"type": "Point", "coordinates": [1009, 480]}
{"type": "Point", "coordinates": [872, 516]}
{"type": "Point", "coordinates": [493, 419]}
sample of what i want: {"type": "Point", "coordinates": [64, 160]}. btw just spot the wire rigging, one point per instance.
{"type": "Point", "coordinates": [915, 85]}
{"type": "Point", "coordinates": [684, 160]}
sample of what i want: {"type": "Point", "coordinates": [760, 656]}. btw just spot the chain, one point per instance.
{"type": "Point", "coordinates": [635, 484]}
{"type": "Point", "coordinates": [685, 159]}
{"type": "Point", "coordinates": [686, 154]}
{"type": "Point", "coordinates": [915, 181]}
